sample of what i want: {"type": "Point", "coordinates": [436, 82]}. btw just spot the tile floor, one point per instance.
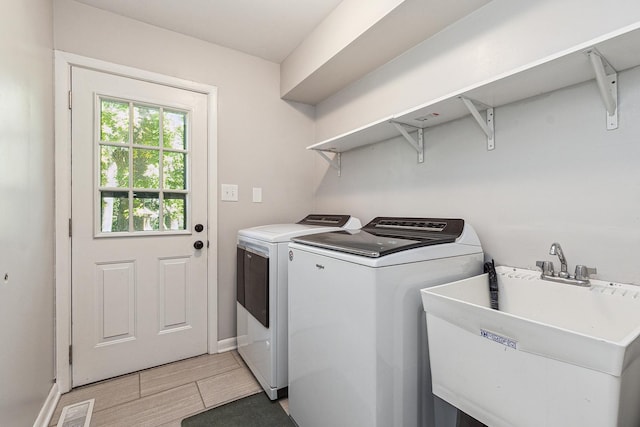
{"type": "Point", "coordinates": [165, 395]}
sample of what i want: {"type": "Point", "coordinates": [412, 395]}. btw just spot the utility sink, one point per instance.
{"type": "Point", "coordinates": [553, 354]}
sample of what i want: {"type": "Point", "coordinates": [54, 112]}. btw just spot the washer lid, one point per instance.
{"type": "Point", "coordinates": [385, 235]}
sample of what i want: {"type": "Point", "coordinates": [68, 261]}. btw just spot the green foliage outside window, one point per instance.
{"type": "Point", "coordinates": [150, 167]}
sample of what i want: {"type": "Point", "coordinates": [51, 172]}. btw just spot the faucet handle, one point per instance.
{"type": "Point", "coordinates": [583, 272]}
{"type": "Point", "coordinates": [546, 267]}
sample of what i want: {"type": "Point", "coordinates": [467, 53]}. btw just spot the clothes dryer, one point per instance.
{"type": "Point", "coordinates": [358, 353]}
{"type": "Point", "coordinates": [261, 285]}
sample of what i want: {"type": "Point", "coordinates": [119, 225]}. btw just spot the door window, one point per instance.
{"type": "Point", "coordinates": [143, 157]}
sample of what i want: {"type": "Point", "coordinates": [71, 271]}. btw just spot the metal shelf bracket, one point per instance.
{"type": "Point", "coordinates": [607, 79]}
{"type": "Point", "coordinates": [335, 162]}
{"type": "Point", "coordinates": [418, 144]}
{"type": "Point", "coordinates": [487, 125]}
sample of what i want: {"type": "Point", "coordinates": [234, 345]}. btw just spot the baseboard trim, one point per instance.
{"type": "Point", "coordinates": [227, 344]}
{"type": "Point", "coordinates": [48, 408]}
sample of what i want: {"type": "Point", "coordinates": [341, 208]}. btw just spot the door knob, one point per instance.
{"type": "Point", "coordinates": [198, 244]}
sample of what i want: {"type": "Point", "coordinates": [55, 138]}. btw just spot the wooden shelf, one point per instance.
{"type": "Point", "coordinates": [621, 49]}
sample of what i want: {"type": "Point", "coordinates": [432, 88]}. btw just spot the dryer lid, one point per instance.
{"type": "Point", "coordinates": [313, 223]}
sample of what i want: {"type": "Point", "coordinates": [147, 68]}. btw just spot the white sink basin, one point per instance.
{"type": "Point", "coordinates": [553, 355]}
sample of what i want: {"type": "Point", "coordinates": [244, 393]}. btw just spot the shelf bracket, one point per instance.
{"type": "Point", "coordinates": [607, 79]}
{"type": "Point", "coordinates": [486, 125]}
{"type": "Point", "coordinates": [418, 144]}
{"type": "Point", "coordinates": [335, 162]}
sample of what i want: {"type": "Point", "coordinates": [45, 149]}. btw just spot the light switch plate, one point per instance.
{"type": "Point", "coordinates": [229, 192]}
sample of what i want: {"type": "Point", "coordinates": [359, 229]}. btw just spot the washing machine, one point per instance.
{"type": "Point", "coordinates": [261, 290]}
{"type": "Point", "coordinates": [358, 354]}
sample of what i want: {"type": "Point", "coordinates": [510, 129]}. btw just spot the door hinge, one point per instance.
{"type": "Point", "coordinates": [70, 232]}
{"type": "Point", "coordinates": [70, 100]}
{"type": "Point", "coordinates": [70, 355]}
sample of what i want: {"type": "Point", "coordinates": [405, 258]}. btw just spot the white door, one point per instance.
{"type": "Point", "coordinates": [139, 230]}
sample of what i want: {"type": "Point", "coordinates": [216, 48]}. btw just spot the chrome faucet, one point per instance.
{"type": "Point", "coordinates": [557, 250]}
{"type": "Point", "coordinates": [581, 278]}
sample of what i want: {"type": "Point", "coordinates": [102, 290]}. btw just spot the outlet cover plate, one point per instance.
{"type": "Point", "coordinates": [257, 195]}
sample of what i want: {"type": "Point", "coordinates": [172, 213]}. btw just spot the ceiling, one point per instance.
{"type": "Point", "coordinates": [322, 46]}
{"type": "Point", "coordinates": [270, 29]}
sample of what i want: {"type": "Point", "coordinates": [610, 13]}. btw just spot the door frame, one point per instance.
{"type": "Point", "coordinates": [63, 63]}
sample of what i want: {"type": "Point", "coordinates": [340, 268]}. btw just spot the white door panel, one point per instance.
{"type": "Point", "coordinates": [139, 287]}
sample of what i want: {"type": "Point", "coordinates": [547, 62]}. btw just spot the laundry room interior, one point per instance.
{"type": "Point", "coordinates": [522, 119]}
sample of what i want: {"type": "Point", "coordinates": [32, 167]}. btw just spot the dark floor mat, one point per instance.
{"type": "Point", "coordinates": [465, 420]}
{"type": "Point", "coordinates": [253, 411]}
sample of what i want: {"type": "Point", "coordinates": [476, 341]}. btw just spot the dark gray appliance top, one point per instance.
{"type": "Point", "coordinates": [325, 220]}
{"type": "Point", "coordinates": [386, 235]}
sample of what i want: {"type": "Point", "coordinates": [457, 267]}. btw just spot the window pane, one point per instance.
{"type": "Point", "coordinates": [114, 121]}
{"type": "Point", "coordinates": [146, 211]}
{"type": "Point", "coordinates": [145, 168]}
{"type": "Point", "coordinates": [114, 166]}
{"type": "Point", "coordinates": [114, 212]}
{"type": "Point", "coordinates": [174, 211]}
{"type": "Point", "coordinates": [146, 125]}
{"type": "Point", "coordinates": [173, 171]}
{"type": "Point", "coordinates": [175, 130]}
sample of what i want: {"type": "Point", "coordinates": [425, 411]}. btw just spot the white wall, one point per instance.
{"type": "Point", "coordinates": [500, 37]}
{"type": "Point", "coordinates": [348, 21]}
{"type": "Point", "coordinates": [261, 138]}
{"type": "Point", "coordinates": [359, 36]}
{"type": "Point", "coordinates": [26, 218]}
{"type": "Point", "coordinates": [556, 174]}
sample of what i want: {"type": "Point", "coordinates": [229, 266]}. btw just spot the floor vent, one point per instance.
{"type": "Point", "coordinates": [76, 415]}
